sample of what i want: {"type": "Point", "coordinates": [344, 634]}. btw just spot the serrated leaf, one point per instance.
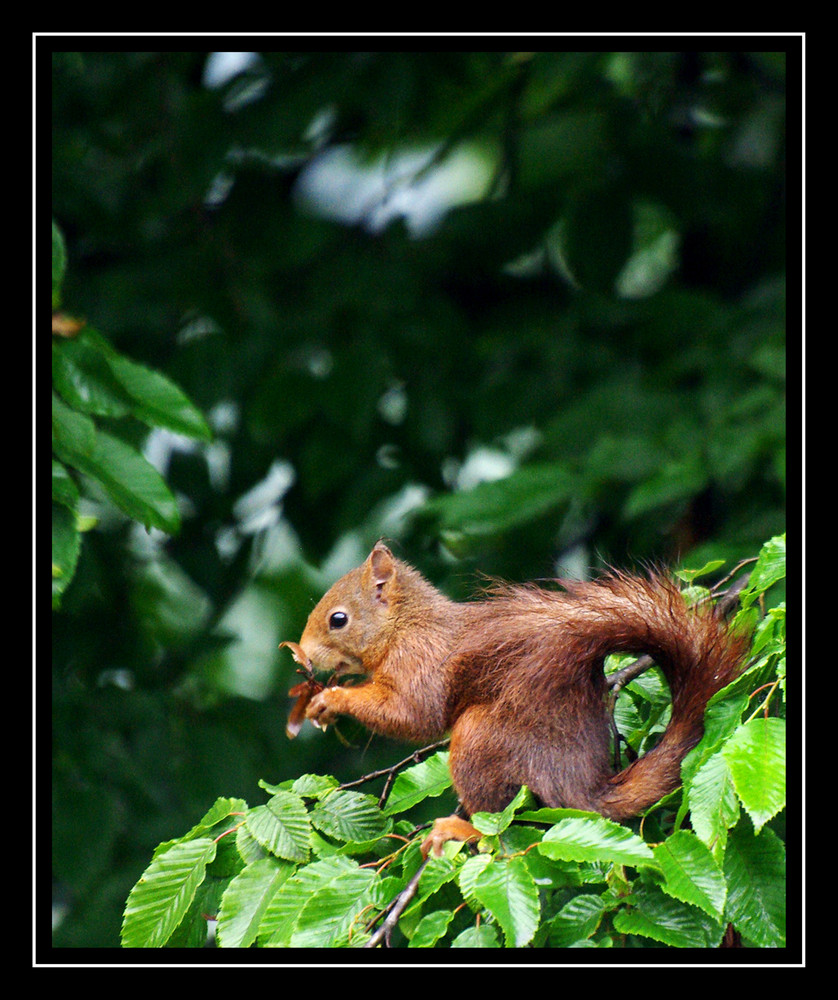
{"type": "Point", "coordinates": [576, 921]}
{"type": "Point", "coordinates": [222, 809]}
{"type": "Point", "coordinates": [309, 786]}
{"type": "Point", "coordinates": [506, 887]}
{"type": "Point", "coordinates": [494, 823]}
{"type": "Point", "coordinates": [468, 874]}
{"type": "Point", "coordinates": [484, 936]}
{"type": "Point", "coordinates": [283, 912]}
{"type": "Point", "coordinates": [756, 755]}
{"type": "Point", "coordinates": [246, 899]}
{"type": "Point", "coordinates": [769, 569]}
{"type": "Point", "coordinates": [425, 780]}
{"type": "Point", "coordinates": [349, 816]}
{"type": "Point", "coordinates": [162, 896]}
{"type": "Point", "coordinates": [755, 869]}
{"type": "Point", "coordinates": [594, 838]}
{"type": "Point", "coordinates": [714, 806]}
{"type": "Point", "coordinates": [282, 826]}
{"type": "Point", "coordinates": [331, 917]}
{"type": "Point", "coordinates": [655, 915]}
{"type": "Point", "coordinates": [438, 871]}
{"type": "Point", "coordinates": [691, 873]}
{"type": "Point", "coordinates": [431, 928]}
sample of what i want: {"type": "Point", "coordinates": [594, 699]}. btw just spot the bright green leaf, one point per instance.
{"type": "Point", "coordinates": [576, 921]}
{"type": "Point", "coordinates": [655, 915]}
{"type": "Point", "coordinates": [755, 869]}
{"type": "Point", "coordinates": [712, 800]}
{"type": "Point", "coordinates": [691, 873]}
{"type": "Point", "coordinates": [245, 900]}
{"type": "Point", "coordinates": [427, 779]}
{"type": "Point", "coordinates": [594, 838]}
{"type": "Point", "coordinates": [333, 915]}
{"type": "Point", "coordinates": [756, 755]}
{"type": "Point", "coordinates": [282, 826]}
{"type": "Point", "coordinates": [431, 928]}
{"type": "Point", "coordinates": [283, 912]}
{"type": "Point", "coordinates": [506, 887]}
{"type": "Point", "coordinates": [162, 896]}
{"type": "Point", "coordinates": [349, 816]}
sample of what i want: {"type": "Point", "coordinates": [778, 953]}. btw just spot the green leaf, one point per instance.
{"type": "Point", "coordinates": [162, 896]}
{"type": "Point", "coordinates": [438, 871]}
{"type": "Point", "coordinates": [225, 811]}
{"type": "Point", "coordinates": [81, 374]}
{"type": "Point", "coordinates": [506, 887]}
{"type": "Point", "coordinates": [593, 838]}
{"type": "Point", "coordinates": [691, 873]}
{"type": "Point", "coordinates": [309, 786]}
{"type": "Point", "coordinates": [332, 916]}
{"type": "Point", "coordinates": [349, 816]}
{"type": "Point", "coordinates": [64, 489]}
{"type": "Point", "coordinates": [59, 263]}
{"type": "Point", "coordinates": [484, 936]}
{"type": "Point", "coordinates": [770, 568]}
{"type": "Point", "coordinates": [431, 928]}
{"type": "Point", "coordinates": [755, 869]}
{"type": "Point", "coordinates": [73, 434]}
{"type": "Point", "coordinates": [66, 544]}
{"type": "Point", "coordinates": [494, 507]}
{"type": "Point", "coordinates": [156, 399]}
{"type": "Point", "coordinates": [756, 755]}
{"type": "Point", "coordinates": [284, 911]}
{"type": "Point", "coordinates": [494, 823]}
{"type": "Point", "coordinates": [427, 779]}
{"type": "Point", "coordinates": [130, 481]}
{"type": "Point", "coordinates": [576, 921]}
{"type": "Point", "coordinates": [655, 915]}
{"type": "Point", "coordinates": [713, 804]}
{"type": "Point", "coordinates": [595, 238]}
{"type": "Point", "coordinates": [245, 900]}
{"type": "Point", "coordinates": [282, 826]}
{"type": "Point", "coordinates": [677, 480]}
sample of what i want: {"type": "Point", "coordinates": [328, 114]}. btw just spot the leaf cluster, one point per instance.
{"type": "Point", "coordinates": [95, 386]}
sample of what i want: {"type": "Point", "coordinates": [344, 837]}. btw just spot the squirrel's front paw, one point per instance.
{"type": "Point", "coordinates": [323, 708]}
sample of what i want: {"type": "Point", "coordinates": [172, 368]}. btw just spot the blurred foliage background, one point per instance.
{"type": "Point", "coordinates": [515, 312]}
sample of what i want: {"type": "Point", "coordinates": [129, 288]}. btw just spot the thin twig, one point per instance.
{"type": "Point", "coordinates": [391, 772]}
{"type": "Point", "coordinates": [397, 908]}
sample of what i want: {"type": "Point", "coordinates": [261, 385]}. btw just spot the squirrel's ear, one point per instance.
{"type": "Point", "coordinates": [381, 567]}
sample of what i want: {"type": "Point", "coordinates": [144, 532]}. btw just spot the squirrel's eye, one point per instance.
{"type": "Point", "coordinates": [338, 619]}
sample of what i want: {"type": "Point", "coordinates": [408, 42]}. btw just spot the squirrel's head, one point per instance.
{"type": "Point", "coordinates": [347, 632]}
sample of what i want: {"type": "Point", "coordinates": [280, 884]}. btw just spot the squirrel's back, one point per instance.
{"type": "Point", "coordinates": [538, 655]}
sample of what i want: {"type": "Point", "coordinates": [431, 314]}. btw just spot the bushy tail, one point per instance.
{"type": "Point", "coordinates": [699, 655]}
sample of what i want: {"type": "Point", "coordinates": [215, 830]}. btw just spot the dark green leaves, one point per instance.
{"type": "Point", "coordinates": [92, 380]}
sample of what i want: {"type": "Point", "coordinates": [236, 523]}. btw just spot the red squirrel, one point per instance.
{"type": "Point", "coordinates": [517, 679]}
